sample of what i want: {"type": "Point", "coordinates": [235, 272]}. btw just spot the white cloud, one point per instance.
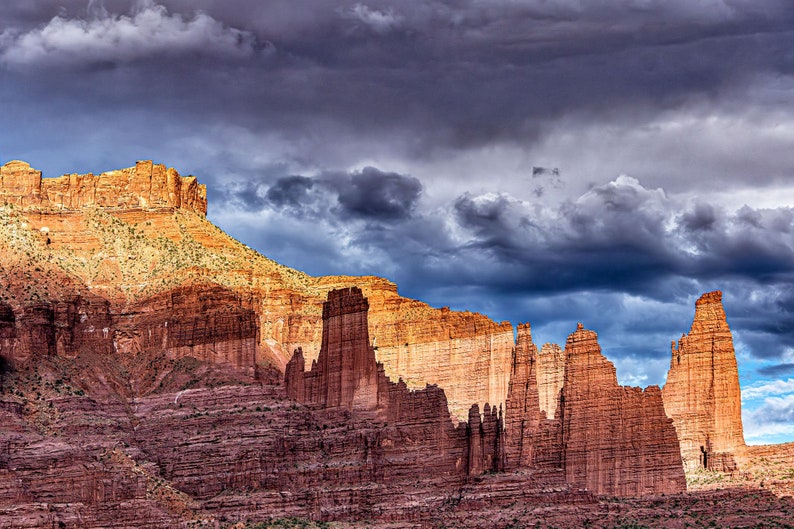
{"type": "Point", "coordinates": [774, 419]}
{"type": "Point", "coordinates": [149, 31]}
{"type": "Point", "coordinates": [379, 21]}
{"type": "Point", "coordinates": [765, 389]}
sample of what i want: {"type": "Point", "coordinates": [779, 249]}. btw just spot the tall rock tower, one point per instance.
{"type": "Point", "coordinates": [702, 393]}
{"type": "Point", "coordinates": [523, 409]}
{"type": "Point", "coordinates": [616, 439]}
{"type": "Point", "coordinates": [345, 373]}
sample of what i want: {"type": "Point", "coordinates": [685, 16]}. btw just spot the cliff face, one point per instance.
{"type": "Point", "coordinates": [127, 293]}
{"type": "Point", "coordinates": [523, 413]}
{"type": "Point", "coordinates": [606, 438]}
{"type": "Point", "coordinates": [147, 186]}
{"type": "Point", "coordinates": [551, 375]}
{"type": "Point", "coordinates": [617, 439]}
{"type": "Point", "coordinates": [131, 235]}
{"type": "Point", "coordinates": [346, 373]}
{"type": "Point", "coordinates": [702, 393]}
{"type": "Point", "coordinates": [347, 376]}
{"type": "Point", "coordinates": [133, 350]}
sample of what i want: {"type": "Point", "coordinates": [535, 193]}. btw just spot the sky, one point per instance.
{"type": "Point", "coordinates": [534, 160]}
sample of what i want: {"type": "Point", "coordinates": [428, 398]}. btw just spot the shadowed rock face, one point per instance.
{"type": "Point", "coordinates": [347, 376]}
{"type": "Point", "coordinates": [523, 414]}
{"type": "Point", "coordinates": [617, 439]}
{"type": "Point", "coordinates": [702, 393]}
{"type": "Point", "coordinates": [131, 351]}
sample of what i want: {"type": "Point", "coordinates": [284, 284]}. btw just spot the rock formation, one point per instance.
{"type": "Point", "coordinates": [605, 438]}
{"type": "Point", "coordinates": [345, 373]}
{"type": "Point", "coordinates": [551, 375]}
{"type": "Point", "coordinates": [133, 234]}
{"type": "Point", "coordinates": [147, 186]}
{"type": "Point", "coordinates": [140, 343]}
{"type": "Point", "coordinates": [347, 376]}
{"type": "Point", "coordinates": [617, 440]}
{"type": "Point", "coordinates": [523, 413]}
{"type": "Point", "coordinates": [141, 353]}
{"type": "Point", "coordinates": [702, 393]}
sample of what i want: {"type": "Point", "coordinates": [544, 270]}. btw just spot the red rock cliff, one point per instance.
{"type": "Point", "coordinates": [132, 234]}
{"type": "Point", "coordinates": [346, 375]}
{"type": "Point", "coordinates": [551, 374]}
{"type": "Point", "coordinates": [147, 186]}
{"type": "Point", "coordinates": [523, 415]}
{"type": "Point", "coordinates": [702, 393]}
{"type": "Point", "coordinates": [617, 440]}
{"type": "Point", "coordinates": [605, 438]}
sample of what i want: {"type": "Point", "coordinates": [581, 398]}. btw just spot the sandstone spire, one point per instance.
{"type": "Point", "coordinates": [346, 373]}
{"type": "Point", "coordinates": [523, 417]}
{"type": "Point", "coordinates": [702, 393]}
{"type": "Point", "coordinates": [616, 440]}
{"type": "Point", "coordinates": [550, 374]}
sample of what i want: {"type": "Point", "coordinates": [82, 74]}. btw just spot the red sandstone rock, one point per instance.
{"type": "Point", "coordinates": [523, 414]}
{"type": "Point", "coordinates": [347, 376]}
{"type": "Point", "coordinates": [606, 438]}
{"type": "Point", "coordinates": [365, 446]}
{"type": "Point", "coordinates": [702, 393]}
{"type": "Point", "coordinates": [551, 374]}
{"type": "Point", "coordinates": [129, 235]}
{"type": "Point", "coordinates": [146, 186]}
{"type": "Point", "coordinates": [617, 440]}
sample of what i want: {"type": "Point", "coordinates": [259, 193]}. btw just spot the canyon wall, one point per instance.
{"type": "Point", "coordinates": [147, 186]}
{"type": "Point", "coordinates": [205, 323]}
{"type": "Point", "coordinates": [523, 413]}
{"type": "Point", "coordinates": [550, 375]}
{"type": "Point", "coordinates": [702, 393]}
{"type": "Point", "coordinates": [346, 375]}
{"type": "Point", "coordinates": [121, 277]}
{"type": "Point", "coordinates": [131, 234]}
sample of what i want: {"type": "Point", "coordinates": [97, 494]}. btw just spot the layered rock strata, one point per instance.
{"type": "Point", "coordinates": [347, 376]}
{"type": "Point", "coordinates": [702, 393]}
{"type": "Point", "coordinates": [617, 440]}
{"type": "Point", "coordinates": [147, 186]}
{"type": "Point", "coordinates": [550, 375]}
{"type": "Point", "coordinates": [135, 233]}
{"type": "Point", "coordinates": [204, 323]}
{"type": "Point", "coordinates": [606, 438]}
{"type": "Point", "coordinates": [523, 412]}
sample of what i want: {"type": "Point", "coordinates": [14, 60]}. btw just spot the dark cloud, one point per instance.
{"type": "Point", "coordinates": [290, 191]}
{"type": "Point", "coordinates": [369, 194]}
{"type": "Point", "coordinates": [701, 218]}
{"type": "Point", "coordinates": [374, 194]}
{"type": "Point", "coordinates": [777, 371]}
{"type": "Point", "coordinates": [427, 75]}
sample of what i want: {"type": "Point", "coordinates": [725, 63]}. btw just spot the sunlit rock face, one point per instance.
{"type": "Point", "coordinates": [131, 234]}
{"type": "Point", "coordinates": [702, 393]}
{"type": "Point", "coordinates": [604, 438]}
{"type": "Point", "coordinates": [347, 376]}
{"type": "Point", "coordinates": [147, 185]}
